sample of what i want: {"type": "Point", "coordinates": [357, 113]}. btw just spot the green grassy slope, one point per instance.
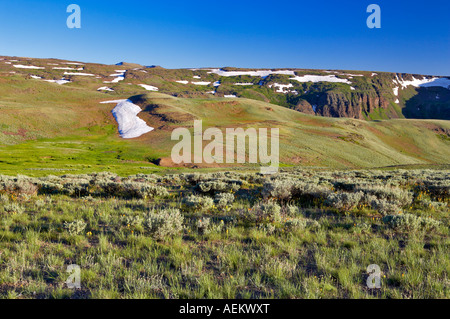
{"type": "Point", "coordinates": [46, 128]}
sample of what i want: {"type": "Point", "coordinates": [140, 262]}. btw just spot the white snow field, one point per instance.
{"type": "Point", "coordinates": [244, 84]}
{"type": "Point", "coordinates": [20, 66]}
{"type": "Point", "coordinates": [319, 78]}
{"type": "Point", "coordinates": [303, 78]}
{"type": "Point", "coordinates": [182, 82]}
{"type": "Point", "coordinates": [149, 87]}
{"type": "Point", "coordinates": [130, 125]}
{"type": "Point", "coordinates": [201, 83]}
{"type": "Point", "coordinates": [36, 77]}
{"type": "Point", "coordinates": [230, 96]}
{"type": "Point", "coordinates": [434, 81]}
{"type": "Point", "coordinates": [261, 73]}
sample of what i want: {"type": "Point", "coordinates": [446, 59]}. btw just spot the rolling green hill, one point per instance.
{"type": "Point", "coordinates": [48, 128]}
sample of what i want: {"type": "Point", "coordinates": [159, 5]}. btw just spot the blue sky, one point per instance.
{"type": "Point", "coordinates": [328, 34]}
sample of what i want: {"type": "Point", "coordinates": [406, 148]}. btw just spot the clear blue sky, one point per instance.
{"type": "Point", "coordinates": [328, 34]}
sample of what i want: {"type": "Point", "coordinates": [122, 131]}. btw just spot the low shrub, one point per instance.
{"type": "Point", "coordinates": [76, 227]}
{"type": "Point", "coordinates": [264, 212]}
{"type": "Point", "coordinates": [295, 224]}
{"type": "Point", "coordinates": [344, 201]}
{"type": "Point", "coordinates": [198, 203]}
{"type": "Point", "coordinates": [13, 208]}
{"type": "Point", "coordinates": [410, 222]}
{"type": "Point", "coordinates": [223, 200]}
{"type": "Point", "coordinates": [165, 223]}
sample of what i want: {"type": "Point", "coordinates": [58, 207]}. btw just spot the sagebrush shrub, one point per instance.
{"type": "Point", "coordinates": [263, 212]}
{"type": "Point", "coordinates": [295, 224]}
{"type": "Point", "coordinates": [13, 208]}
{"type": "Point", "coordinates": [387, 192]}
{"type": "Point", "coordinates": [289, 188]}
{"type": "Point", "coordinates": [198, 203]}
{"type": "Point", "coordinates": [344, 201]}
{"type": "Point", "coordinates": [215, 186]}
{"type": "Point", "coordinates": [76, 227]}
{"type": "Point", "coordinates": [223, 199]}
{"type": "Point", "coordinates": [291, 210]}
{"type": "Point", "coordinates": [132, 220]}
{"type": "Point", "coordinates": [385, 207]}
{"type": "Point", "coordinates": [410, 222]}
{"type": "Point", "coordinates": [164, 223]}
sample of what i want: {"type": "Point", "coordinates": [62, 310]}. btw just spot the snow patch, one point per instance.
{"type": "Point", "coordinates": [60, 82]}
{"type": "Point", "coordinates": [243, 83]}
{"type": "Point", "coordinates": [149, 87]}
{"type": "Point", "coordinates": [113, 101]}
{"type": "Point", "coordinates": [434, 81]}
{"type": "Point", "coordinates": [183, 82]}
{"type": "Point", "coordinates": [118, 79]}
{"type": "Point", "coordinates": [36, 77]}
{"type": "Point", "coordinates": [201, 83]}
{"type": "Point", "coordinates": [282, 87]}
{"type": "Point", "coordinates": [105, 88]}
{"type": "Point", "coordinates": [319, 78]}
{"type": "Point", "coordinates": [120, 76]}
{"type": "Point", "coordinates": [20, 66]}
{"type": "Point", "coordinates": [130, 125]}
{"type": "Point", "coordinates": [260, 73]}
{"type": "Point", "coordinates": [230, 95]}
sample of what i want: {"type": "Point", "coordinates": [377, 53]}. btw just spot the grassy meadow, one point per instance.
{"type": "Point", "coordinates": [296, 234]}
{"type": "Point", "coordinates": [349, 193]}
